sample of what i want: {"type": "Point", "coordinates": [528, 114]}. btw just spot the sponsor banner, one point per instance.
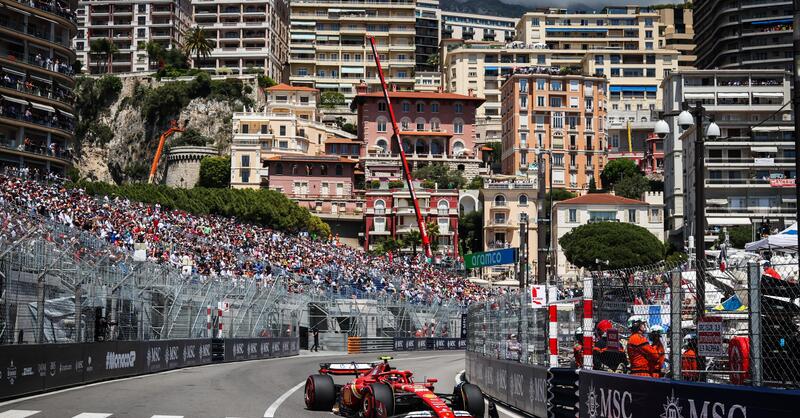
{"type": "Point", "coordinates": [22, 370]}
{"type": "Point", "coordinates": [237, 349]}
{"type": "Point", "coordinates": [419, 344]}
{"type": "Point", "coordinates": [522, 386]}
{"type": "Point", "coordinates": [614, 395]}
{"type": "Point", "coordinates": [65, 365]}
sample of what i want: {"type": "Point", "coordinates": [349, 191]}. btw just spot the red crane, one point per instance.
{"type": "Point", "coordinates": [173, 127]}
{"type": "Point", "coordinates": [426, 243]}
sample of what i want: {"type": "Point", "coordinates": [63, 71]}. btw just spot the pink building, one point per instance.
{"type": "Point", "coordinates": [390, 214]}
{"type": "Point", "coordinates": [322, 184]}
{"type": "Point", "coordinates": [435, 128]}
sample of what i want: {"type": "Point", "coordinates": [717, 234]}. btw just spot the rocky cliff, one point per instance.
{"type": "Point", "coordinates": [120, 121]}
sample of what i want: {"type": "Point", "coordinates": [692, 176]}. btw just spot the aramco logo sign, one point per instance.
{"type": "Point", "coordinates": [491, 258]}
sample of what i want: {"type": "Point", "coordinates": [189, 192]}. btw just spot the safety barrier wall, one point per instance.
{"type": "Point", "coordinates": [552, 392]}
{"type": "Point", "coordinates": [357, 345]}
{"type": "Point", "coordinates": [31, 368]}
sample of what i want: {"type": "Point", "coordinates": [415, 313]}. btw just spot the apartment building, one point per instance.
{"type": "Point", "coordinates": [428, 81]}
{"type": "Point", "coordinates": [329, 50]}
{"type": "Point", "coordinates": [288, 126]}
{"type": "Point", "coordinates": [434, 127]}
{"type": "Point", "coordinates": [389, 213]}
{"type": "Point", "coordinates": [734, 34]}
{"type": "Point", "coordinates": [572, 213]}
{"type": "Point", "coordinates": [130, 25]}
{"type": "Point", "coordinates": [36, 81]}
{"type": "Point", "coordinates": [507, 203]}
{"type": "Point", "coordinates": [467, 26]}
{"type": "Point", "coordinates": [676, 26]}
{"type": "Point", "coordinates": [749, 170]}
{"type": "Point", "coordinates": [428, 35]}
{"type": "Point", "coordinates": [477, 67]}
{"type": "Point", "coordinates": [561, 113]}
{"type": "Point", "coordinates": [248, 36]}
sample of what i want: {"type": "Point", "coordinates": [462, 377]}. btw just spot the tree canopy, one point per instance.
{"type": "Point", "coordinates": [331, 99]}
{"type": "Point", "coordinates": [616, 170]}
{"type": "Point", "coordinates": [215, 172]}
{"type": "Point", "coordinates": [470, 231]}
{"type": "Point", "coordinates": [559, 195]}
{"type": "Point", "coordinates": [441, 175]}
{"type": "Point", "coordinates": [621, 244]}
{"type": "Point", "coordinates": [632, 186]}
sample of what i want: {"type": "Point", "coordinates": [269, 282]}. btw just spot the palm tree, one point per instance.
{"type": "Point", "coordinates": [195, 42]}
{"type": "Point", "coordinates": [104, 47]}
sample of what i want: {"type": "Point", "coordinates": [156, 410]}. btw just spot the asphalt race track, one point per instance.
{"type": "Point", "coordinates": [250, 389]}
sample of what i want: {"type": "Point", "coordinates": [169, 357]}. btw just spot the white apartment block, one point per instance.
{"type": "Point", "coordinates": [130, 25]}
{"type": "Point", "coordinates": [749, 170]}
{"type": "Point", "coordinates": [329, 51]}
{"type": "Point", "coordinates": [249, 36]}
{"type": "Point", "coordinates": [572, 213]}
{"type": "Point", "coordinates": [467, 26]}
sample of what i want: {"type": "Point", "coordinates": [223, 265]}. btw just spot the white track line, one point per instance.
{"type": "Point", "coordinates": [92, 415]}
{"type": "Point", "coordinates": [270, 412]}
{"type": "Point", "coordinates": [17, 413]}
{"type": "Point", "coordinates": [167, 416]}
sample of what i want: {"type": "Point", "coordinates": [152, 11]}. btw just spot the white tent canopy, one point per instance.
{"type": "Point", "coordinates": [784, 240]}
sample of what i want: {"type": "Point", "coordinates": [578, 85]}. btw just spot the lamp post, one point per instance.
{"type": "Point", "coordinates": [688, 117]}
{"type": "Point", "coordinates": [543, 216]}
{"type": "Point", "coordinates": [796, 94]}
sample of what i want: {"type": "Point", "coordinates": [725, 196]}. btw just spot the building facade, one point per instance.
{"type": "Point", "coordinates": [572, 213]}
{"type": "Point", "coordinates": [507, 203]}
{"type": "Point", "coordinates": [130, 25]}
{"type": "Point", "coordinates": [676, 26]}
{"type": "Point", "coordinates": [467, 26]}
{"type": "Point", "coordinates": [749, 169]}
{"type": "Point", "coordinates": [389, 213]}
{"type": "Point", "coordinates": [435, 128]}
{"type": "Point", "coordinates": [428, 35]}
{"type": "Point", "coordinates": [561, 114]}
{"type": "Point", "coordinates": [734, 34]}
{"type": "Point", "coordinates": [248, 36]}
{"type": "Point", "coordinates": [37, 119]}
{"type": "Point", "coordinates": [288, 126]}
{"type": "Point", "coordinates": [329, 49]}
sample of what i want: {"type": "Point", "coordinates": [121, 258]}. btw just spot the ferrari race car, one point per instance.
{"type": "Point", "coordinates": [381, 391]}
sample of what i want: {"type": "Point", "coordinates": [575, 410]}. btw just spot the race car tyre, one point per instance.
{"type": "Point", "coordinates": [320, 393]}
{"type": "Point", "coordinates": [472, 399]}
{"type": "Point", "coordinates": [379, 402]}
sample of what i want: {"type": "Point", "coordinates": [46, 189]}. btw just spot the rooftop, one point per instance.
{"type": "Point", "coordinates": [312, 159]}
{"type": "Point", "coordinates": [286, 87]}
{"type": "Point", "coordinates": [416, 95]}
{"type": "Point", "coordinates": [601, 199]}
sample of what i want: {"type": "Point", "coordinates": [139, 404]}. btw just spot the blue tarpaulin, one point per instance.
{"type": "Point", "coordinates": [617, 89]}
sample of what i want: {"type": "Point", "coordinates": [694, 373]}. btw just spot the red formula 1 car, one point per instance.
{"type": "Point", "coordinates": [380, 391]}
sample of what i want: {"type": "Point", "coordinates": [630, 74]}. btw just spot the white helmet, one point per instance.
{"type": "Point", "coordinates": [657, 328]}
{"type": "Point", "coordinates": [635, 318]}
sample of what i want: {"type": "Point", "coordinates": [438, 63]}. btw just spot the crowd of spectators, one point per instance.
{"type": "Point", "coordinates": [215, 247]}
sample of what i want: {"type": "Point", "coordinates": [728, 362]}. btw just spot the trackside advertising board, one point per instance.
{"type": "Point", "coordinates": [523, 386]}
{"type": "Point", "coordinates": [491, 258]}
{"type": "Point", "coordinates": [612, 395]}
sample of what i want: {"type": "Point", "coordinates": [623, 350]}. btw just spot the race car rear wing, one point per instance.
{"type": "Point", "coordinates": [345, 368]}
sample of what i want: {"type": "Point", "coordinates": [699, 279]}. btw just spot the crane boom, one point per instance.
{"type": "Point", "coordinates": [426, 244]}
{"type": "Point", "coordinates": [172, 129]}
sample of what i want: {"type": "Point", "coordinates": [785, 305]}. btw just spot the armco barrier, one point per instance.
{"type": "Point", "coordinates": [616, 395]}
{"type": "Point", "coordinates": [34, 368]}
{"type": "Point", "coordinates": [357, 345]}
{"type": "Point", "coordinates": [521, 386]}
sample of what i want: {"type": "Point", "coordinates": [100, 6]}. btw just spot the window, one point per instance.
{"type": "Point", "coordinates": [588, 121]}
{"type": "Point", "coordinates": [404, 123]}
{"type": "Point", "coordinates": [523, 102]}
{"type": "Point", "coordinates": [381, 106]}
{"type": "Point", "coordinates": [558, 160]}
{"type": "Point", "coordinates": [539, 119]}
{"type": "Point", "coordinates": [264, 129]}
{"type": "Point", "coordinates": [600, 216]}
{"type": "Point", "coordinates": [245, 161]}
{"type": "Point", "coordinates": [381, 125]}
{"type": "Point", "coordinates": [282, 130]}
{"type": "Point", "coordinates": [555, 101]}
{"type": "Point", "coordinates": [540, 101]}
{"type": "Point", "coordinates": [598, 59]}
{"type": "Point", "coordinates": [523, 86]}
{"type": "Point", "coordinates": [279, 168]}
{"type": "Point", "coordinates": [458, 127]}
{"type": "Point", "coordinates": [459, 108]}
{"type": "Point", "coordinates": [435, 125]}
{"type": "Point", "coordinates": [434, 107]}
{"type": "Point", "coordinates": [574, 85]}
{"type": "Point", "coordinates": [339, 169]}
{"type": "Point", "coordinates": [406, 107]}
{"type": "Point", "coordinates": [420, 124]}
{"type": "Point", "coordinates": [245, 175]}
{"type": "Point", "coordinates": [557, 120]}
{"type": "Point", "coordinates": [632, 216]}
{"type": "Point", "coordinates": [555, 85]}
{"type": "Point", "coordinates": [420, 107]}
{"type": "Point", "coordinates": [541, 84]}
{"type": "Point", "coordinates": [572, 122]}
{"type": "Point", "coordinates": [245, 129]}
{"type": "Point", "coordinates": [500, 200]}
{"type": "Point", "coordinates": [573, 102]}
{"type": "Point", "coordinates": [523, 200]}
{"type": "Point", "coordinates": [573, 215]}
{"type": "Point", "coordinates": [140, 33]}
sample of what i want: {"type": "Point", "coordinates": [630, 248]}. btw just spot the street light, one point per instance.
{"type": "Point", "coordinates": [693, 116]}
